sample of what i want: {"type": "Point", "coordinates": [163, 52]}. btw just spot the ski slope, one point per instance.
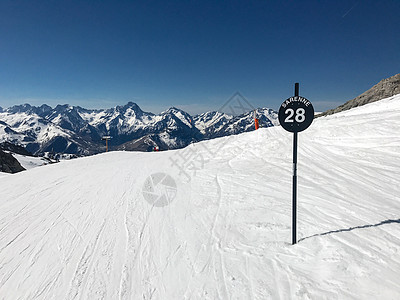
{"type": "Point", "coordinates": [221, 224]}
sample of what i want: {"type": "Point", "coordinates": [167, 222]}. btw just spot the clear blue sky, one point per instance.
{"type": "Point", "coordinates": [194, 54]}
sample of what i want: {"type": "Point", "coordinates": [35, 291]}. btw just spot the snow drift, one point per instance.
{"type": "Point", "coordinates": [212, 221]}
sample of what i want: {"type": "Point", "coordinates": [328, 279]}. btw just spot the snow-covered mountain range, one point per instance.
{"type": "Point", "coordinates": [76, 130]}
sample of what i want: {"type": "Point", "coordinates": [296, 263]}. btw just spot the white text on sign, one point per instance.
{"type": "Point", "coordinates": [296, 99]}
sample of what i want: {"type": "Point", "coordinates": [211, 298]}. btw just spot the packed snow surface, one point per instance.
{"type": "Point", "coordinates": [86, 228]}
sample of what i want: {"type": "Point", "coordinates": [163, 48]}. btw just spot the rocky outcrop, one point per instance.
{"type": "Point", "coordinates": [9, 164]}
{"type": "Point", "coordinates": [385, 88]}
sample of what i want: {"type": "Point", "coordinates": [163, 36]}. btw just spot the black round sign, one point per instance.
{"type": "Point", "coordinates": [296, 114]}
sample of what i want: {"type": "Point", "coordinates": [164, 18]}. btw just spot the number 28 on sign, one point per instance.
{"type": "Point", "coordinates": [296, 114]}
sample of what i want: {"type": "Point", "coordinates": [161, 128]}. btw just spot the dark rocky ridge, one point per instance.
{"type": "Point", "coordinates": [7, 146]}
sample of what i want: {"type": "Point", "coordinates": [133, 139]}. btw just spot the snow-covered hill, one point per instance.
{"type": "Point", "coordinates": [73, 129]}
{"type": "Point", "coordinates": [213, 220]}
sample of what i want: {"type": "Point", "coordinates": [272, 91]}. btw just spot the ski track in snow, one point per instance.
{"type": "Point", "coordinates": [81, 229]}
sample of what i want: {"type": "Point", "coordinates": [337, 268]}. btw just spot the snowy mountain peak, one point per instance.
{"type": "Point", "coordinates": [129, 106]}
{"type": "Point", "coordinates": [174, 110]}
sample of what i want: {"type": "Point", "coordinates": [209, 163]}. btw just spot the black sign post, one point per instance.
{"type": "Point", "coordinates": [295, 115]}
